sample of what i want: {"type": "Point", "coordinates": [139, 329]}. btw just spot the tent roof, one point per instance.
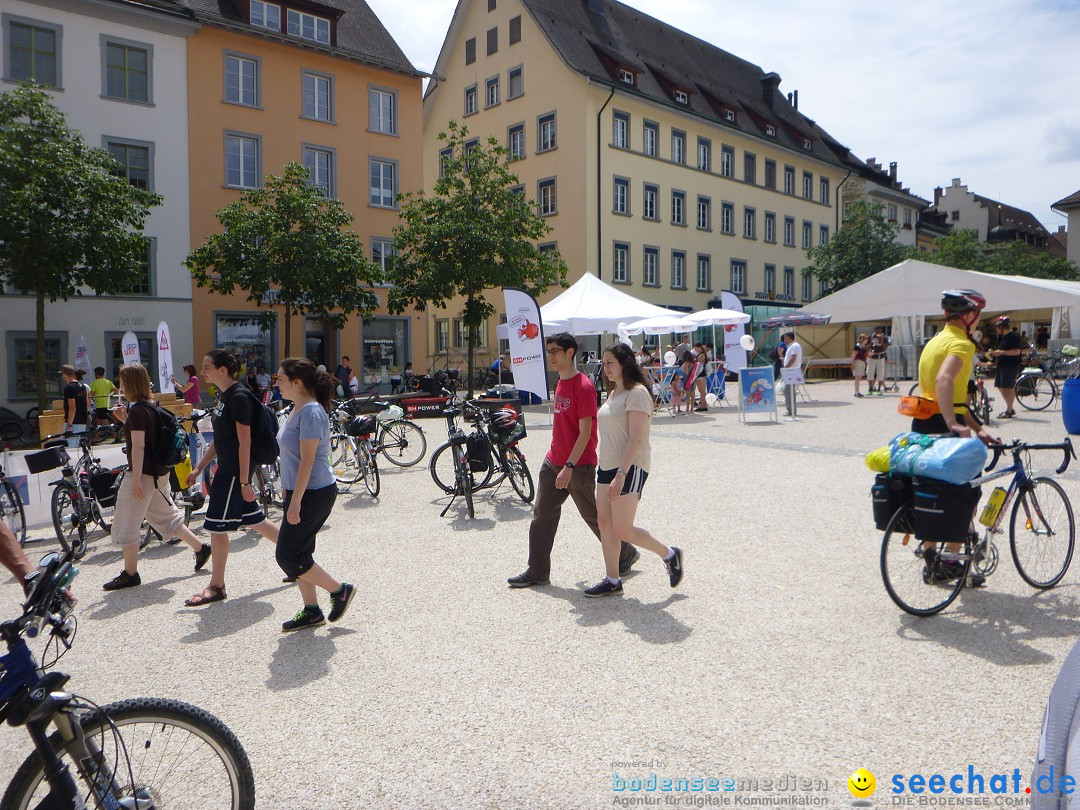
{"type": "Point", "coordinates": [914, 288]}
{"type": "Point", "coordinates": [593, 307]}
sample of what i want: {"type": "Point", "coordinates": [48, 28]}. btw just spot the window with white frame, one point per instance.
{"type": "Point", "coordinates": [317, 97]}
{"type": "Point", "coordinates": [382, 254]}
{"type": "Point", "coordinates": [127, 70]}
{"type": "Point", "coordinates": [770, 226]}
{"type": "Point", "coordinates": [789, 282]}
{"type": "Point", "coordinates": [383, 183]}
{"type": "Point", "coordinates": [823, 190]}
{"type": "Point", "coordinates": [382, 111]}
{"type": "Point", "coordinates": [648, 201]}
{"type": "Point", "coordinates": [789, 231]}
{"type": "Point", "coordinates": [770, 173]}
{"type": "Point", "coordinates": [681, 97]}
{"type": "Point", "coordinates": [789, 180]}
{"type": "Point", "coordinates": [548, 135]}
{"type": "Point", "coordinates": [729, 115]}
{"type": "Point", "coordinates": [678, 208]}
{"type": "Point", "coordinates": [242, 80]}
{"type": "Point", "coordinates": [242, 161]}
{"type": "Point", "coordinates": [319, 161]}
{"type": "Point", "coordinates": [444, 158]}
{"type": "Point", "coordinates": [621, 196]}
{"type": "Point", "coordinates": [823, 235]}
{"type": "Point", "coordinates": [266, 15]}
{"type": "Point", "coordinates": [807, 235]}
{"type": "Point", "coordinates": [515, 141]}
{"type": "Point", "coordinates": [678, 146]}
{"type": "Point", "coordinates": [309, 26]}
{"type": "Point", "coordinates": [770, 278]}
{"type": "Point", "coordinates": [738, 276]}
{"type": "Point", "coordinates": [650, 138]}
{"type": "Point", "coordinates": [620, 125]}
{"type": "Point", "coordinates": [807, 185]}
{"type": "Point", "coordinates": [704, 154]}
{"type": "Point", "coordinates": [727, 161]}
{"type": "Point", "coordinates": [749, 223]}
{"type": "Point", "coordinates": [750, 167]}
{"type": "Point", "coordinates": [649, 267]}
{"type": "Point", "coordinates": [442, 335]}
{"type": "Point", "coordinates": [621, 266]}
{"type": "Point", "coordinates": [515, 82]}
{"type": "Point", "coordinates": [546, 194]}
{"type": "Point", "coordinates": [704, 273]}
{"type": "Point", "coordinates": [891, 212]}
{"type": "Point", "coordinates": [907, 217]}
{"type": "Point", "coordinates": [770, 130]}
{"type": "Point", "coordinates": [704, 213]}
{"type": "Point", "coordinates": [727, 218]}
{"type": "Point", "coordinates": [470, 100]}
{"type": "Point", "coordinates": [807, 286]}
{"type": "Point", "coordinates": [626, 76]}
{"type": "Point", "coordinates": [492, 91]}
{"type": "Point", "coordinates": [678, 270]}
{"type": "Point", "coordinates": [33, 52]}
{"type": "Point", "coordinates": [822, 288]}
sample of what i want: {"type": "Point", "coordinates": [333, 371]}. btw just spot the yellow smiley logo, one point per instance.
{"type": "Point", "coordinates": [861, 783]}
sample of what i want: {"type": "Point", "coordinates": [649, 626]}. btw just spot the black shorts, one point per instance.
{"type": "Point", "coordinates": [296, 543]}
{"type": "Point", "coordinates": [1005, 376]}
{"type": "Point", "coordinates": [633, 483]}
{"type": "Point", "coordinates": [102, 413]}
{"type": "Point", "coordinates": [228, 511]}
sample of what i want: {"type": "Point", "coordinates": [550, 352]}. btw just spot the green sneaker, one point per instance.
{"type": "Point", "coordinates": [305, 617]}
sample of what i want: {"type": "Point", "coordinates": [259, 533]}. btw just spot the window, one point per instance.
{"type": "Point", "coordinates": [442, 335]}
{"type": "Point", "coordinates": [678, 146]}
{"type": "Point", "coordinates": [515, 30]}
{"type": "Point", "coordinates": [648, 202]}
{"type": "Point", "coordinates": [823, 190]}
{"type": "Point", "coordinates": [22, 349]}
{"type": "Point", "coordinates": [309, 26]}
{"type": "Point", "coordinates": [515, 82]}
{"type": "Point", "coordinates": [127, 70]}
{"type": "Point", "coordinates": [135, 162]}
{"type": "Point", "coordinates": [704, 273]}
{"type": "Point", "coordinates": [738, 276]}
{"type": "Point", "coordinates": [806, 144]}
{"type": "Point", "coordinates": [382, 254]}
{"type": "Point", "coordinates": [546, 194]}
{"type": "Point", "coordinates": [620, 272]}
{"type": "Point", "coordinates": [770, 226]}
{"type": "Point", "coordinates": [470, 50]}
{"type": "Point", "coordinates": [470, 100]}
{"type": "Point", "coordinates": [650, 263]}
{"type": "Point", "coordinates": [548, 139]}
{"type": "Point", "coordinates": [729, 115]}
{"type": "Point", "coordinates": [466, 148]}
{"type": "Point", "coordinates": [382, 111]}
{"type": "Point", "coordinates": [807, 186]}
{"type": "Point", "coordinates": [789, 283]}
{"type": "Point", "coordinates": [319, 161]}
{"type": "Point", "coordinates": [770, 130]}
{"type": "Point", "coordinates": [807, 230]}
{"type": "Point", "coordinates": [650, 138]}
{"type": "Point", "coordinates": [33, 52]}
{"type": "Point", "coordinates": [891, 211]}
{"type": "Point", "coordinates": [144, 284]}
{"type": "Point", "coordinates": [620, 124]}
{"type": "Point", "coordinates": [681, 97]}
{"type": "Point", "coordinates": [678, 207]}
{"type": "Point", "coordinates": [954, 216]}
{"type": "Point", "coordinates": [317, 97]}
{"type": "Point", "coordinates": [678, 270]}
{"type": "Point", "coordinates": [770, 173]}
{"type": "Point", "coordinates": [789, 180]}
{"type": "Point", "coordinates": [822, 288]}
{"type": "Point", "coordinates": [242, 168]}
{"type": "Point", "coordinates": [770, 278]}
{"type": "Point", "coordinates": [515, 141]}
{"type": "Point", "coordinates": [492, 91]}
{"type": "Point", "coordinates": [789, 231]}
{"type": "Point", "coordinates": [749, 223]}
{"type": "Point", "coordinates": [266, 15]}
{"type": "Point", "coordinates": [492, 41]}
{"type": "Point", "coordinates": [518, 189]}
{"type": "Point", "coordinates": [491, 5]}
{"type": "Point", "coordinates": [626, 76]}
{"type": "Point", "coordinates": [383, 183]}
{"type": "Point", "coordinates": [444, 157]}
{"type": "Point", "coordinates": [823, 235]}
{"type": "Point", "coordinates": [621, 199]}
{"type": "Point", "coordinates": [704, 154]}
{"type": "Point", "coordinates": [242, 80]}
{"type": "Point", "coordinates": [750, 168]}
{"type": "Point", "coordinates": [727, 161]}
{"type": "Point", "coordinates": [704, 213]}
{"type": "Point", "coordinates": [907, 217]}
{"type": "Point", "coordinates": [727, 218]}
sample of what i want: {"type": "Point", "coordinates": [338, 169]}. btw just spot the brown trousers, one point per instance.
{"type": "Point", "coordinates": [548, 509]}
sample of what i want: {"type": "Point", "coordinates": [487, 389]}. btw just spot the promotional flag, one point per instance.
{"type": "Point", "coordinates": [528, 359]}
{"type": "Point", "coordinates": [129, 348]}
{"type": "Point", "coordinates": [165, 366]}
{"type": "Point", "coordinates": [82, 353]}
{"type": "Point", "coordinates": [734, 354]}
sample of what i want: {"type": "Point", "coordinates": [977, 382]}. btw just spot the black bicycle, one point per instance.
{"type": "Point", "coordinates": [11, 508]}
{"type": "Point", "coordinates": [460, 481]}
{"type": "Point", "coordinates": [145, 753]}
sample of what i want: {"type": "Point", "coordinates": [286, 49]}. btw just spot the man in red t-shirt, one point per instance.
{"type": "Point", "coordinates": [569, 469]}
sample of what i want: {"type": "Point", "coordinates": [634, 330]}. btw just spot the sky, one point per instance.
{"type": "Point", "coordinates": [982, 90]}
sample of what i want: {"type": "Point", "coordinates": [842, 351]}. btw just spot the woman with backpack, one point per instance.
{"type": "Point", "coordinates": [232, 500]}
{"type": "Point", "coordinates": [145, 492]}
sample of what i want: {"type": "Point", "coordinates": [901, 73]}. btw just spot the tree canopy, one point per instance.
{"type": "Point", "coordinates": [961, 248]}
{"type": "Point", "coordinates": [472, 234]}
{"type": "Point", "coordinates": [286, 245]}
{"type": "Point", "coordinates": [864, 245]}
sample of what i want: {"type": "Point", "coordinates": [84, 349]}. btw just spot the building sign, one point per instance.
{"type": "Point", "coordinates": [772, 295]}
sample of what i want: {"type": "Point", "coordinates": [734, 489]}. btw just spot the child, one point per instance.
{"type": "Point", "coordinates": [677, 389]}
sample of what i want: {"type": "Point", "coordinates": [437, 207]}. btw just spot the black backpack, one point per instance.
{"type": "Point", "coordinates": [264, 427]}
{"type": "Point", "coordinates": [774, 355]}
{"type": "Point", "coordinates": [170, 446]}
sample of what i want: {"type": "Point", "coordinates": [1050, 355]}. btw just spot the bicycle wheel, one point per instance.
{"type": "Point", "coordinates": [443, 469]}
{"type": "Point", "coordinates": [1042, 532]}
{"type": "Point", "coordinates": [11, 510]}
{"type": "Point", "coordinates": [69, 522]}
{"type": "Point", "coordinates": [163, 752]}
{"type": "Point", "coordinates": [369, 469]}
{"type": "Point", "coordinates": [906, 567]}
{"type": "Point", "coordinates": [1035, 391]}
{"type": "Point", "coordinates": [345, 461]}
{"type": "Point", "coordinates": [403, 443]}
{"type": "Point", "coordinates": [518, 473]}
{"type": "Point", "coordinates": [266, 486]}
{"type": "Point", "coordinates": [466, 484]}
{"type": "Point", "coordinates": [984, 406]}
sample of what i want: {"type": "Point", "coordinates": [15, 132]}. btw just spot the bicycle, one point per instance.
{"type": "Point", "coordinates": [11, 508]}
{"type": "Point", "coordinates": [497, 435]}
{"type": "Point", "coordinates": [401, 441]}
{"type": "Point", "coordinates": [1035, 389]}
{"type": "Point", "coordinates": [1042, 533]}
{"type": "Point", "coordinates": [352, 454]}
{"type": "Point", "coordinates": [463, 482]}
{"type": "Point", "coordinates": [140, 753]}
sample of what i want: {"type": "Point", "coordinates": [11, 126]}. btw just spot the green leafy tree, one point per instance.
{"type": "Point", "coordinates": [961, 248]}
{"type": "Point", "coordinates": [68, 220]}
{"type": "Point", "coordinates": [471, 235]}
{"type": "Point", "coordinates": [286, 246]}
{"type": "Point", "coordinates": [865, 244]}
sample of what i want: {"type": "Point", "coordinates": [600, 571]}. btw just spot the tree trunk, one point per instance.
{"type": "Point", "coordinates": [472, 341]}
{"type": "Point", "coordinates": [288, 331]}
{"type": "Point", "coordinates": [39, 372]}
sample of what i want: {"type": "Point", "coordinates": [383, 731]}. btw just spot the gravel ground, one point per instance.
{"type": "Point", "coordinates": [779, 658]}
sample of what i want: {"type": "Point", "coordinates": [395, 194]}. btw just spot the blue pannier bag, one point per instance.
{"type": "Point", "coordinates": [943, 458]}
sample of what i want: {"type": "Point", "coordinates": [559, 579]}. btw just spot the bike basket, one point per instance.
{"type": "Point", "coordinates": [479, 452]}
{"type": "Point", "coordinates": [943, 511]}
{"type": "Point", "coordinates": [104, 486]}
{"type": "Point", "coordinates": [46, 460]}
{"type": "Point", "coordinates": [888, 494]}
{"type": "Point", "coordinates": [361, 426]}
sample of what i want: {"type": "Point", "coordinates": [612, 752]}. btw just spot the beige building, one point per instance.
{"type": "Point", "coordinates": [664, 164]}
{"type": "Point", "coordinates": [899, 205]}
{"type": "Point", "coordinates": [992, 221]}
{"type": "Point", "coordinates": [1070, 207]}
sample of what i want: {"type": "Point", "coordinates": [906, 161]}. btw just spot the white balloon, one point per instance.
{"type": "Point", "coordinates": [669, 358]}
{"type": "Point", "coordinates": [620, 330]}
{"type": "Point", "coordinates": [747, 342]}
{"type": "Point", "coordinates": [627, 342]}
{"type": "Point", "coordinates": [710, 399]}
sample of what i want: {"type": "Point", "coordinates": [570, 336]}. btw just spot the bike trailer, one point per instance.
{"type": "Point", "coordinates": [888, 494]}
{"type": "Point", "coordinates": [943, 511]}
{"type": "Point", "coordinates": [46, 460]}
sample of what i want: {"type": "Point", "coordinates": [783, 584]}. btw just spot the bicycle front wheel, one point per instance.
{"type": "Point", "coordinates": [908, 568]}
{"type": "Point", "coordinates": [11, 510]}
{"type": "Point", "coordinates": [442, 468]}
{"type": "Point", "coordinates": [369, 470]}
{"type": "Point", "coordinates": [1035, 391]}
{"type": "Point", "coordinates": [403, 443]}
{"type": "Point", "coordinates": [69, 522]}
{"type": "Point", "coordinates": [1042, 532]}
{"type": "Point", "coordinates": [162, 752]}
{"type": "Point", "coordinates": [466, 483]}
{"type": "Point", "coordinates": [518, 473]}
{"type": "Point", "coordinates": [345, 460]}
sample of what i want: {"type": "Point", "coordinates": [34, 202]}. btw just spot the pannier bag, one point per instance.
{"type": "Point", "coordinates": [479, 452]}
{"type": "Point", "coordinates": [945, 458]}
{"type": "Point", "coordinates": [943, 511]}
{"type": "Point", "coordinates": [105, 484]}
{"type": "Point", "coordinates": [888, 494]}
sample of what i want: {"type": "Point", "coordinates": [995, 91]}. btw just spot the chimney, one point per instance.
{"type": "Point", "coordinates": [795, 103]}
{"type": "Point", "coordinates": [892, 171]}
{"type": "Point", "coordinates": [770, 83]}
{"type": "Point", "coordinates": [937, 194]}
{"type": "Point", "coordinates": [596, 7]}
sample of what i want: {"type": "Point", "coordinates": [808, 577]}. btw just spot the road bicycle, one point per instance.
{"type": "Point", "coordinates": [461, 481]}
{"type": "Point", "coordinates": [1035, 389]}
{"type": "Point", "coordinates": [11, 508]}
{"type": "Point", "coordinates": [1042, 533]}
{"type": "Point", "coordinates": [146, 753]}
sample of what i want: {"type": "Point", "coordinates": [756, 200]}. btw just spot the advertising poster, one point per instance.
{"type": "Point", "coordinates": [165, 362]}
{"type": "Point", "coordinates": [82, 353]}
{"type": "Point", "coordinates": [129, 348]}
{"type": "Point", "coordinates": [734, 354]}
{"type": "Point", "coordinates": [757, 394]}
{"type": "Point", "coordinates": [528, 360]}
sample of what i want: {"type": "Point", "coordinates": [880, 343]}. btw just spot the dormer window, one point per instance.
{"type": "Point", "coordinates": [806, 143]}
{"type": "Point", "coordinates": [626, 76]}
{"type": "Point", "coordinates": [266, 15]}
{"type": "Point", "coordinates": [729, 115]}
{"type": "Point", "coordinates": [770, 130]}
{"type": "Point", "coordinates": [308, 26]}
{"type": "Point", "coordinates": [681, 97]}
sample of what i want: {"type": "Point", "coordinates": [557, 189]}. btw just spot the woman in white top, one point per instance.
{"type": "Point", "coordinates": [623, 424]}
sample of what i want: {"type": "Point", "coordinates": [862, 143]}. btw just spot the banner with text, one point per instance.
{"type": "Point", "coordinates": [129, 349]}
{"type": "Point", "coordinates": [82, 353]}
{"type": "Point", "coordinates": [528, 359]}
{"type": "Point", "coordinates": [734, 354]}
{"type": "Point", "coordinates": [165, 366]}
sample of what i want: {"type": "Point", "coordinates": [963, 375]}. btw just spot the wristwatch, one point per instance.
{"type": "Point", "coordinates": [620, 471]}
{"type": "Point", "coordinates": [569, 465]}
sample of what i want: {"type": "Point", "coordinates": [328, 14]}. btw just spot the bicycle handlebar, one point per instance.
{"type": "Point", "coordinates": [1016, 447]}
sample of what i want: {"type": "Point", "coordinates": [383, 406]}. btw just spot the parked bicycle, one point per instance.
{"type": "Point", "coordinates": [1042, 532]}
{"type": "Point", "coordinates": [461, 481]}
{"type": "Point", "coordinates": [11, 508]}
{"type": "Point", "coordinates": [1035, 389]}
{"type": "Point", "coordinates": [398, 438]}
{"type": "Point", "coordinates": [146, 753]}
{"type": "Point", "coordinates": [352, 454]}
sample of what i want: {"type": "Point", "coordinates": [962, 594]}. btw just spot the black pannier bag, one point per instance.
{"type": "Point", "coordinates": [479, 452]}
{"type": "Point", "coordinates": [888, 494]}
{"type": "Point", "coordinates": [943, 511]}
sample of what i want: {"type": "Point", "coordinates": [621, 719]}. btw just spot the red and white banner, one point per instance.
{"type": "Point", "coordinates": [165, 366]}
{"type": "Point", "coordinates": [129, 348]}
{"type": "Point", "coordinates": [528, 359]}
{"type": "Point", "coordinates": [82, 353]}
{"type": "Point", "coordinates": [734, 354]}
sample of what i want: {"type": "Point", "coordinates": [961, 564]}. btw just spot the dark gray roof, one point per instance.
{"type": "Point", "coordinates": [665, 59]}
{"type": "Point", "coordinates": [360, 33]}
{"type": "Point", "coordinates": [1072, 201]}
